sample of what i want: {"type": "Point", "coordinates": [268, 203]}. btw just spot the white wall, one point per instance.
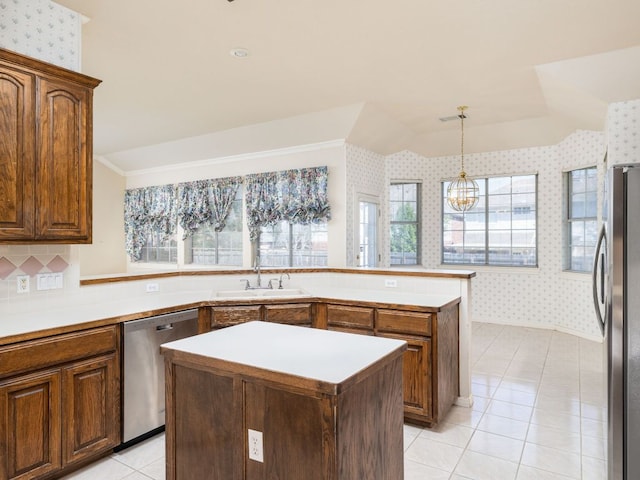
{"type": "Point", "coordinates": [106, 254]}
{"type": "Point", "coordinates": [545, 296]}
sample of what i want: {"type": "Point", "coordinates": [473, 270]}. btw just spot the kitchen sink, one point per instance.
{"type": "Point", "coordinates": [284, 292]}
{"type": "Point", "coordinates": [261, 292]}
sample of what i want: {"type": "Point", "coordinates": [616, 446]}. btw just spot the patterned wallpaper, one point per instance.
{"type": "Point", "coordinates": [365, 174]}
{"type": "Point", "coordinates": [533, 297]}
{"type": "Point", "coordinates": [623, 132]}
{"type": "Point", "coordinates": [43, 30]}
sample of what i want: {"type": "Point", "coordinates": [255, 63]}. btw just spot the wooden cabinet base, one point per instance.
{"type": "Point", "coordinates": [59, 403]}
{"type": "Point", "coordinates": [310, 430]}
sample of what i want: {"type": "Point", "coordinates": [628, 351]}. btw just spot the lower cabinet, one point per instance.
{"type": "Point", "coordinates": [64, 413]}
{"type": "Point", "coordinates": [430, 363]}
{"type": "Point", "coordinates": [416, 376]}
{"type": "Point", "coordinates": [300, 314]}
{"type": "Point", "coordinates": [213, 318]}
{"type": "Point", "coordinates": [430, 371]}
{"type": "Point", "coordinates": [350, 319]}
{"type": "Point", "coordinates": [89, 408]}
{"type": "Point", "coordinates": [30, 425]}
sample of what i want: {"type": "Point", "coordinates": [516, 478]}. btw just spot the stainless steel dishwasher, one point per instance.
{"type": "Point", "coordinates": [143, 395]}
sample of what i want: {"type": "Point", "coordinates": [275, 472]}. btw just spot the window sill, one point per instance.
{"type": "Point", "coordinates": [576, 275]}
{"type": "Point", "coordinates": [494, 269]}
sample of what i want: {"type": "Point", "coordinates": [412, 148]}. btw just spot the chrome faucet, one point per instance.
{"type": "Point", "coordinates": [280, 281]}
{"type": "Point", "coordinates": [256, 268]}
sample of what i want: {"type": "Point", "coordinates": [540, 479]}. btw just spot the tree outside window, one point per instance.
{"type": "Point", "coordinates": [404, 206]}
{"type": "Point", "coordinates": [581, 219]}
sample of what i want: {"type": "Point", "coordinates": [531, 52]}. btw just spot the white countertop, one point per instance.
{"type": "Point", "coordinates": [103, 304]}
{"type": "Point", "coordinates": [321, 355]}
{"type": "Point", "coordinates": [78, 311]}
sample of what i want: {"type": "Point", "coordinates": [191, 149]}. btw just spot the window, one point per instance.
{"type": "Point", "coordinates": [581, 219]}
{"type": "Point", "coordinates": [208, 247]}
{"type": "Point", "coordinates": [404, 206]}
{"type": "Point", "coordinates": [293, 245]}
{"type": "Point", "coordinates": [501, 230]}
{"type": "Point", "coordinates": [367, 249]}
{"type": "Point", "coordinates": [157, 250]}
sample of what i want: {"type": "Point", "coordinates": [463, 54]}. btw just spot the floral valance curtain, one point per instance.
{"type": "Point", "coordinates": [148, 210]}
{"type": "Point", "coordinates": [206, 202]}
{"type": "Point", "coordinates": [298, 196]}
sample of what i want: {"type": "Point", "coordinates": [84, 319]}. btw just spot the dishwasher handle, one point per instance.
{"type": "Point", "coordinates": [166, 326]}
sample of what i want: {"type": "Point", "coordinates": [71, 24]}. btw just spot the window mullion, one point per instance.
{"type": "Point", "coordinates": [290, 244]}
{"type": "Point", "coordinates": [486, 222]}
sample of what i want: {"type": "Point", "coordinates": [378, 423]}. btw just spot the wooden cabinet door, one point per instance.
{"type": "Point", "coordinates": [292, 314]}
{"type": "Point", "coordinates": [63, 188]}
{"type": "Point", "coordinates": [350, 319]}
{"type": "Point", "coordinates": [416, 376]}
{"type": "Point", "coordinates": [30, 426]}
{"type": "Point", "coordinates": [90, 407]}
{"type": "Point", "coordinates": [17, 154]}
{"type": "Point", "coordinates": [232, 315]}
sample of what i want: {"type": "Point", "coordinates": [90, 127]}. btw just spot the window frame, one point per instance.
{"type": "Point", "coordinates": [171, 245]}
{"type": "Point", "coordinates": [569, 219]}
{"type": "Point", "coordinates": [290, 256]}
{"type": "Point", "coordinates": [485, 203]}
{"type": "Point", "coordinates": [238, 203]}
{"type": "Point", "coordinates": [417, 222]}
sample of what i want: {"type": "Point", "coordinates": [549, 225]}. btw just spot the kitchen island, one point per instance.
{"type": "Point", "coordinates": [262, 400]}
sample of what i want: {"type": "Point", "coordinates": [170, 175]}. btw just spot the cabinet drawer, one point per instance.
{"type": "Point", "coordinates": [359, 317]}
{"type": "Point", "coordinates": [359, 331]}
{"type": "Point", "coordinates": [227, 316]}
{"type": "Point", "coordinates": [294, 314]}
{"type": "Point", "coordinates": [404, 322]}
{"type": "Point", "coordinates": [42, 353]}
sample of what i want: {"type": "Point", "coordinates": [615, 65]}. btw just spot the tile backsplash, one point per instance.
{"type": "Point", "coordinates": [31, 260]}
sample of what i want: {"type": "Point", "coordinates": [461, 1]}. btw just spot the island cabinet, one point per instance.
{"type": "Point", "coordinates": [59, 402]}
{"type": "Point", "coordinates": [45, 153]}
{"type": "Point", "coordinates": [264, 401]}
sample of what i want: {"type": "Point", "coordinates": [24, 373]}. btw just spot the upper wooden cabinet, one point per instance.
{"type": "Point", "coordinates": [45, 152]}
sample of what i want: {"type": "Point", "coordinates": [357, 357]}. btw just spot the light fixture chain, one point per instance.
{"type": "Point", "coordinates": [462, 138]}
{"type": "Point", "coordinates": [461, 109]}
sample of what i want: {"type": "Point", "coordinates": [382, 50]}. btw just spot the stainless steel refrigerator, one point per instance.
{"type": "Point", "coordinates": [617, 300]}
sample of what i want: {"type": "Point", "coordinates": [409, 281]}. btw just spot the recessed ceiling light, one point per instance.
{"type": "Point", "coordinates": [239, 52]}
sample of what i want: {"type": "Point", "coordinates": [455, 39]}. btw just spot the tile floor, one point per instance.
{"type": "Point", "coordinates": [538, 415]}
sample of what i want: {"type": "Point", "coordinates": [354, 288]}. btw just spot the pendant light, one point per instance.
{"type": "Point", "coordinates": [462, 193]}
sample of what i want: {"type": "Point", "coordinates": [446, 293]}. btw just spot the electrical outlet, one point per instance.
{"type": "Point", "coordinates": [152, 287]}
{"type": "Point", "coordinates": [23, 283]}
{"type": "Point", "coordinates": [390, 282]}
{"type": "Point", "coordinates": [255, 446]}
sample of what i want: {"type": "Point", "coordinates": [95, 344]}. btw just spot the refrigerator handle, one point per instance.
{"type": "Point", "coordinates": [599, 260]}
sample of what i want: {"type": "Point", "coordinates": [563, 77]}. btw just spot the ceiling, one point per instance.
{"type": "Point", "coordinates": [377, 73]}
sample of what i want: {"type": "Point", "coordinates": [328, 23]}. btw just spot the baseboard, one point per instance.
{"type": "Point", "coordinates": [577, 333]}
